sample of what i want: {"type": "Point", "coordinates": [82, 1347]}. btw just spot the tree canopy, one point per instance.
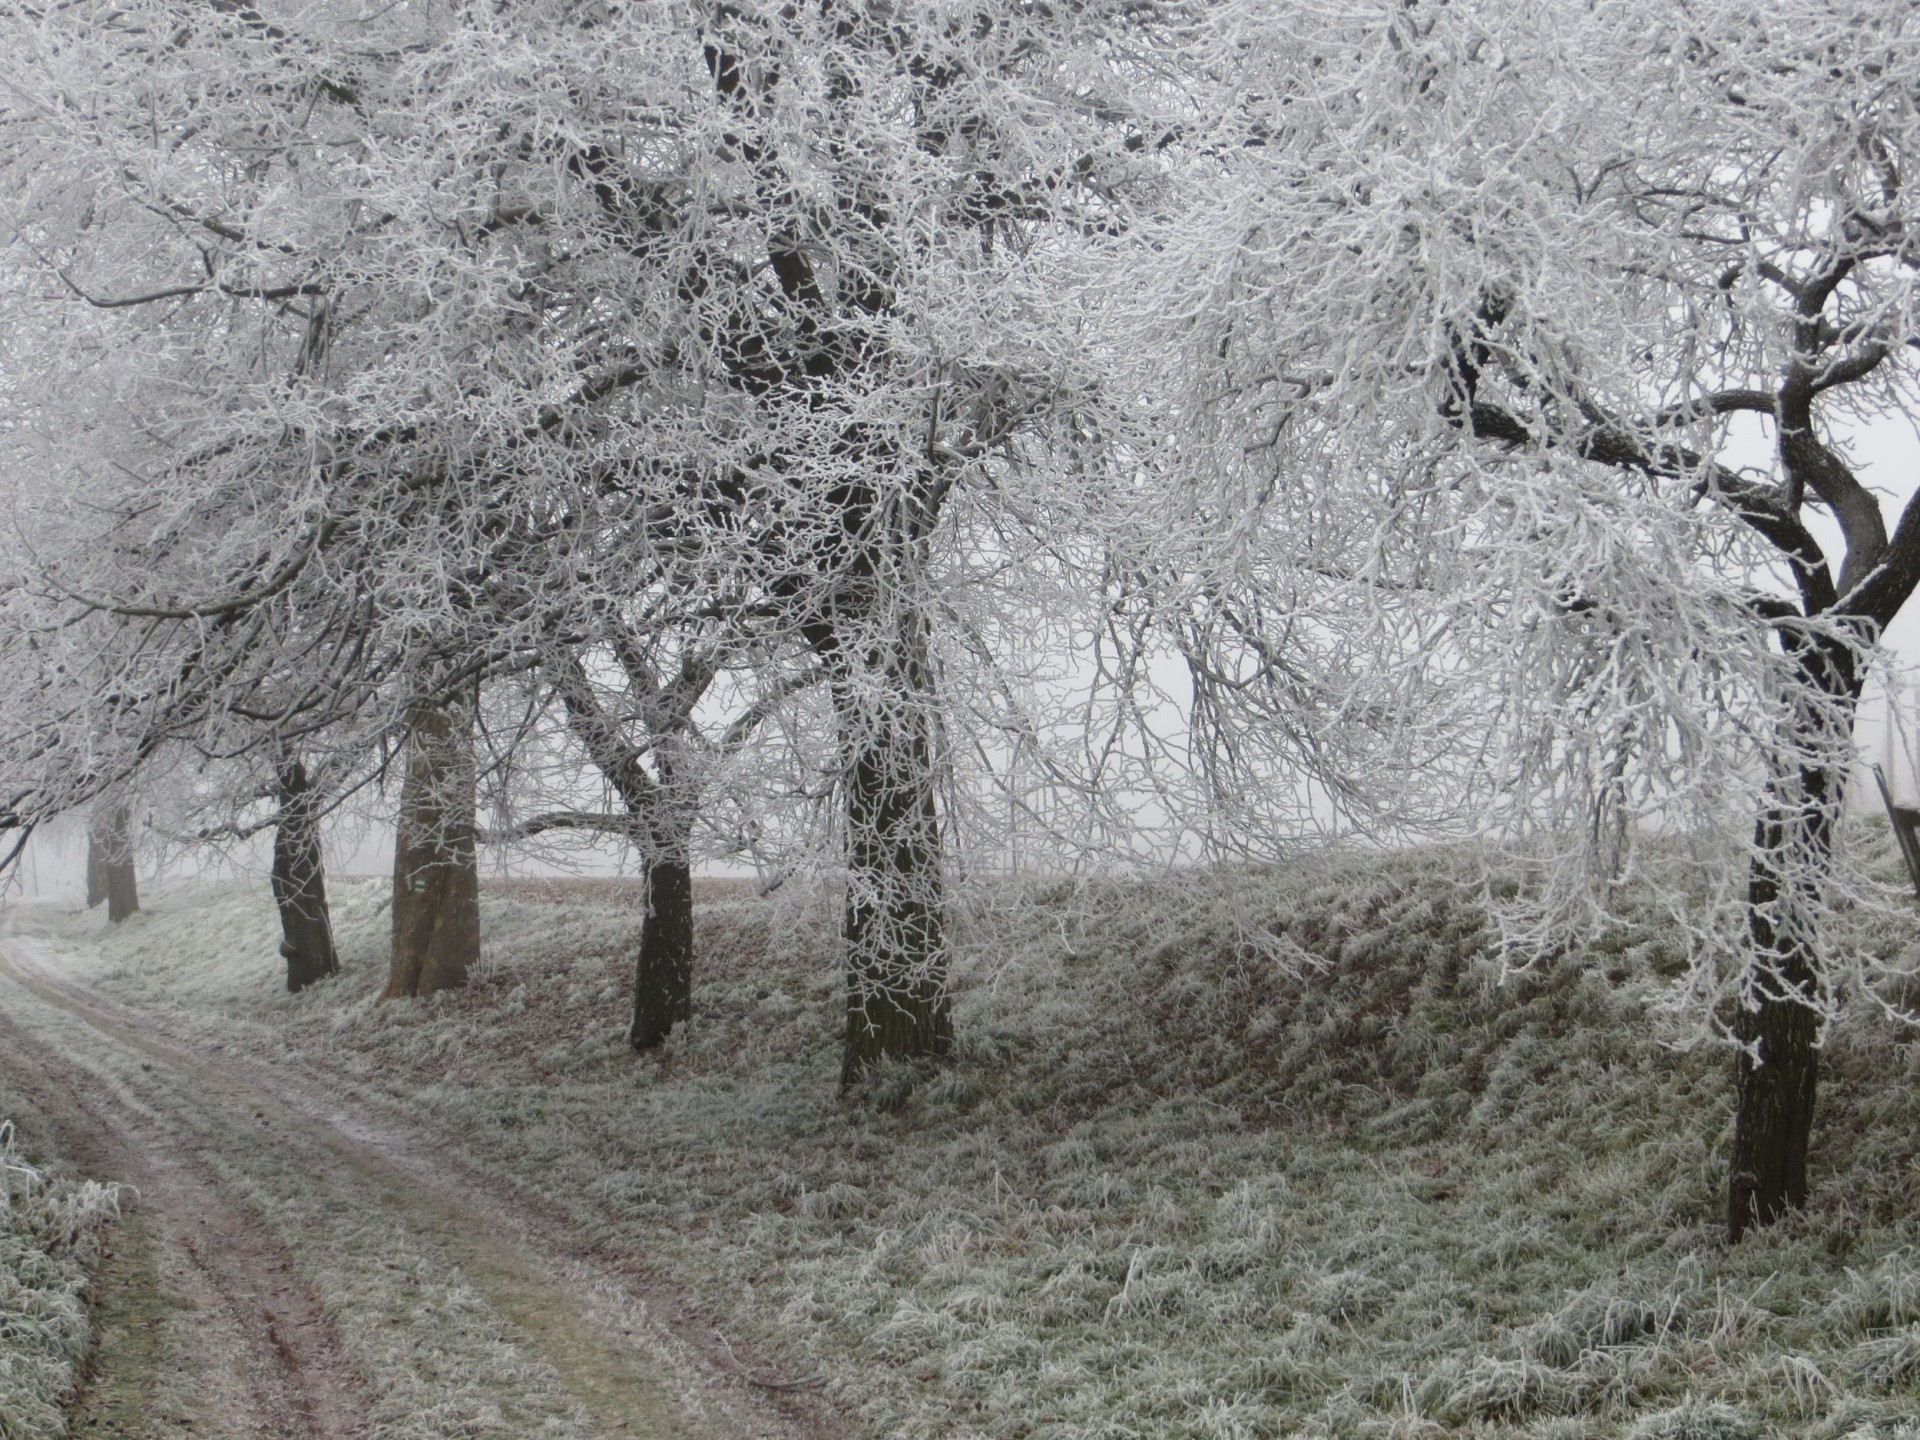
{"type": "Point", "coordinates": [1379, 369]}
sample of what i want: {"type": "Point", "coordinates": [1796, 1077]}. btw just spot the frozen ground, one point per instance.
{"type": "Point", "coordinates": [1165, 1190]}
{"type": "Point", "coordinates": [299, 1269]}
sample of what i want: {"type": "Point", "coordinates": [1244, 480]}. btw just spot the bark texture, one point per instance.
{"type": "Point", "coordinates": [1776, 1071]}
{"type": "Point", "coordinates": [96, 865]}
{"type": "Point", "coordinates": [436, 876]}
{"type": "Point", "coordinates": [300, 882]}
{"type": "Point", "coordinates": [112, 843]}
{"type": "Point", "coordinates": [663, 974]}
{"type": "Point", "coordinates": [1773, 1118]}
{"type": "Point", "coordinates": [896, 997]}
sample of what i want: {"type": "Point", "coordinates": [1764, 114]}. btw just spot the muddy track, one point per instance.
{"type": "Point", "coordinates": [263, 1355]}
{"type": "Point", "coordinates": [214, 1140]}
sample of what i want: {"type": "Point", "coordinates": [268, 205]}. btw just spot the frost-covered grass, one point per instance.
{"type": "Point", "coordinates": [50, 1231]}
{"type": "Point", "coordinates": [1169, 1187]}
{"type": "Point", "coordinates": [446, 1331]}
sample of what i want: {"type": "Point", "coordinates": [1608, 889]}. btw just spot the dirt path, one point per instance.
{"type": "Point", "coordinates": [326, 1274]}
{"type": "Point", "coordinates": [262, 1355]}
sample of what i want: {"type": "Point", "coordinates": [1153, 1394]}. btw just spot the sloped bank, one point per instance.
{"type": "Point", "coordinates": [51, 1231]}
{"type": "Point", "coordinates": [1339, 1182]}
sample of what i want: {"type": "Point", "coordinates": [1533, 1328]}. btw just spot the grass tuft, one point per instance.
{"type": "Point", "coordinates": [50, 1243]}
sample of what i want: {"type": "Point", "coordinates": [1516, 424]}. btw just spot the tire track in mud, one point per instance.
{"type": "Point", "coordinates": [607, 1333]}
{"type": "Point", "coordinates": [263, 1357]}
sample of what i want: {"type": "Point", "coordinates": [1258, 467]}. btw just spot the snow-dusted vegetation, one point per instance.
{"type": "Point", "coordinates": [874, 442]}
{"type": "Point", "coordinates": [50, 1231]}
{"type": "Point", "coordinates": [812, 436]}
{"type": "Point", "coordinates": [1166, 1187]}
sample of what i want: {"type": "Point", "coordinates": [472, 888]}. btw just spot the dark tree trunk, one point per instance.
{"type": "Point", "coordinates": [663, 975]}
{"type": "Point", "coordinates": [857, 587]}
{"type": "Point", "coordinates": [300, 882]}
{"type": "Point", "coordinates": [897, 1001]}
{"type": "Point", "coordinates": [1773, 1118]}
{"type": "Point", "coordinates": [115, 839]}
{"type": "Point", "coordinates": [1777, 1025]}
{"type": "Point", "coordinates": [436, 876]}
{"type": "Point", "coordinates": [662, 806]}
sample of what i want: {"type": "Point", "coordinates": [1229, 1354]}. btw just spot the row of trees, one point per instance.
{"type": "Point", "coordinates": [762, 407]}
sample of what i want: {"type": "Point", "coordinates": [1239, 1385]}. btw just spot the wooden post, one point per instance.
{"type": "Point", "coordinates": [1906, 827]}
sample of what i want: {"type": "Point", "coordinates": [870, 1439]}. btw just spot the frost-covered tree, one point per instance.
{"type": "Point", "coordinates": [443, 293]}
{"type": "Point", "coordinates": [1489, 299]}
{"type": "Point", "coordinates": [657, 707]}
{"type": "Point", "coordinates": [208, 801]}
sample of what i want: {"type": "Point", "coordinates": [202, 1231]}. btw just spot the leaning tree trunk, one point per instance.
{"type": "Point", "coordinates": [1778, 1022]}
{"type": "Point", "coordinates": [110, 846]}
{"type": "Point", "coordinates": [436, 876]}
{"type": "Point", "coordinates": [300, 882]}
{"type": "Point", "coordinates": [897, 1001]}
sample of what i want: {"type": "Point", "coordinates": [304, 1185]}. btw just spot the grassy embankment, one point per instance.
{"type": "Point", "coordinates": [1165, 1189]}
{"type": "Point", "coordinates": [51, 1246]}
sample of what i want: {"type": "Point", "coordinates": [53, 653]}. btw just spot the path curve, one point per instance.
{"type": "Point", "coordinates": [195, 1130]}
{"type": "Point", "coordinates": [265, 1357]}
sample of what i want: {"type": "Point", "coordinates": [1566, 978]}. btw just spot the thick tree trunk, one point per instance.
{"type": "Point", "coordinates": [110, 863]}
{"type": "Point", "coordinates": [1777, 1068]}
{"type": "Point", "coordinates": [896, 996]}
{"type": "Point", "coordinates": [300, 882]}
{"type": "Point", "coordinates": [1773, 1122]}
{"type": "Point", "coordinates": [663, 974]}
{"type": "Point", "coordinates": [436, 876]}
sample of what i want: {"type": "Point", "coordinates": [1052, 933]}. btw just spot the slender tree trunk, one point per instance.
{"type": "Point", "coordinates": [436, 876]}
{"type": "Point", "coordinates": [114, 841]}
{"type": "Point", "coordinates": [1777, 1026]}
{"type": "Point", "coordinates": [300, 882]}
{"type": "Point", "coordinates": [896, 996]}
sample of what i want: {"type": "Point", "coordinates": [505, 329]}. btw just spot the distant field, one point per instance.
{"type": "Point", "coordinates": [615, 890]}
{"type": "Point", "coordinates": [619, 891]}
{"type": "Point", "coordinates": [1170, 1186]}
